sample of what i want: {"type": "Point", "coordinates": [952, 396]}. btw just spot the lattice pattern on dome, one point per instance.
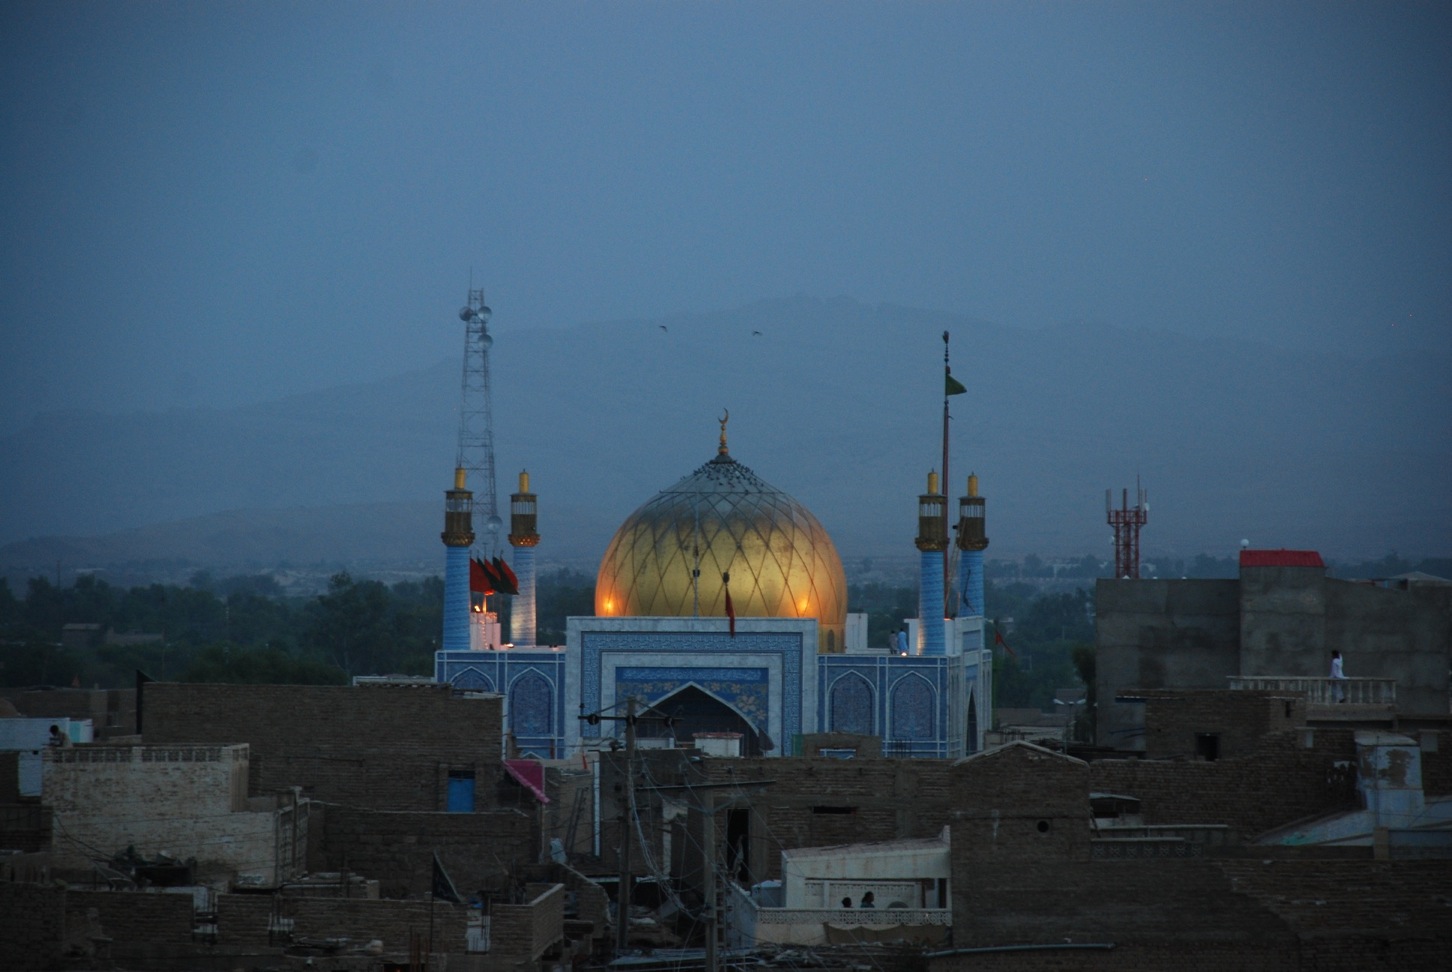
{"type": "Point", "coordinates": [724, 519]}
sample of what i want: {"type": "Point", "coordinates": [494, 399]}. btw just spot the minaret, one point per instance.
{"type": "Point", "coordinates": [458, 536]}
{"type": "Point", "coordinates": [972, 541]}
{"type": "Point", "coordinates": [932, 540]}
{"type": "Point", "coordinates": [523, 521]}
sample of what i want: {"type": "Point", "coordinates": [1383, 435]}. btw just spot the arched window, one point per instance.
{"type": "Point", "coordinates": [913, 708]}
{"type": "Point", "coordinates": [531, 706]}
{"type": "Point", "coordinates": [851, 707]}
{"type": "Point", "coordinates": [472, 680]}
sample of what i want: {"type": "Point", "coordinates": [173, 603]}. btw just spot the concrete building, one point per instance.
{"type": "Point", "coordinates": [1280, 620]}
{"type": "Point", "coordinates": [188, 803]}
{"type": "Point", "coordinates": [892, 890]}
{"type": "Point", "coordinates": [28, 740]}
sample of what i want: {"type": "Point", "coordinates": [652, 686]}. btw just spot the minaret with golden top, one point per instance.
{"type": "Point", "coordinates": [458, 537]}
{"type": "Point", "coordinates": [932, 540]}
{"type": "Point", "coordinates": [523, 537]}
{"type": "Point", "coordinates": [972, 541]}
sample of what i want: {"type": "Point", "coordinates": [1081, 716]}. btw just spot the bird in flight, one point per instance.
{"type": "Point", "coordinates": [756, 334]}
{"type": "Point", "coordinates": [664, 328]}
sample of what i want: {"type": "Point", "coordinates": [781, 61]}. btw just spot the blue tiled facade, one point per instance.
{"type": "Point", "coordinates": [769, 672]}
{"type": "Point", "coordinates": [905, 700]}
{"type": "Point", "coordinates": [533, 685]}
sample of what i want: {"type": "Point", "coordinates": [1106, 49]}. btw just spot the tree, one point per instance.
{"type": "Point", "coordinates": [258, 666]}
{"type": "Point", "coordinates": [562, 594]}
{"type": "Point", "coordinates": [348, 626]}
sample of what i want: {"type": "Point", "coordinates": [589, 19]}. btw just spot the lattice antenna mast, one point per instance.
{"type": "Point", "coordinates": [1127, 521]}
{"type": "Point", "coordinates": [476, 420]}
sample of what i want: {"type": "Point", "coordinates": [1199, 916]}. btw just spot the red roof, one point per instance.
{"type": "Point", "coordinates": [1281, 558]}
{"type": "Point", "coordinates": [529, 774]}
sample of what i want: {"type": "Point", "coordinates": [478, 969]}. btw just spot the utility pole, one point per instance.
{"type": "Point", "coordinates": [627, 809]}
{"type": "Point", "coordinates": [627, 823]}
{"type": "Point", "coordinates": [708, 880]}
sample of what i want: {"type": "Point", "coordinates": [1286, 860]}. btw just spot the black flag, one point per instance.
{"type": "Point", "coordinates": [444, 888]}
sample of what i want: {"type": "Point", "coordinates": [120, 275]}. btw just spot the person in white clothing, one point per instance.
{"type": "Point", "coordinates": [1338, 692]}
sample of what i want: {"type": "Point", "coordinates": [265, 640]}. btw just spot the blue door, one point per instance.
{"type": "Point", "coordinates": [461, 792]}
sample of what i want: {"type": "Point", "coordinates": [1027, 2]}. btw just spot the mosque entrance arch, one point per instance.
{"type": "Point", "coordinates": [694, 710]}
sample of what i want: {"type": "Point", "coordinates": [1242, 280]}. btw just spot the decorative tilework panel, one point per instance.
{"type": "Point", "coordinates": [788, 646]}
{"type": "Point", "coordinates": [913, 703]}
{"type": "Point", "coordinates": [530, 706]}
{"type": "Point", "coordinates": [851, 705]}
{"type": "Point", "coordinates": [747, 690]}
{"type": "Point", "coordinates": [472, 680]}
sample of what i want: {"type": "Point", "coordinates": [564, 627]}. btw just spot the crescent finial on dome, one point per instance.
{"type": "Point", "coordinates": [725, 417]}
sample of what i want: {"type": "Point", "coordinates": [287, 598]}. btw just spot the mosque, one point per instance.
{"type": "Point", "coordinates": [721, 608]}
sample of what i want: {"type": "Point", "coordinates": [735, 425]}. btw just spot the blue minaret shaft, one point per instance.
{"type": "Point", "coordinates": [972, 541]}
{"type": "Point", "coordinates": [458, 537]}
{"type": "Point", "coordinates": [932, 541]}
{"type": "Point", "coordinates": [523, 537]}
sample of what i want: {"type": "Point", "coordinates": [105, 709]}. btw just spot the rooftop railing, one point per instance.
{"type": "Point", "coordinates": [1323, 691]}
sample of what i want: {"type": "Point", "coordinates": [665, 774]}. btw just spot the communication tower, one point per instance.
{"type": "Point", "coordinates": [476, 419]}
{"type": "Point", "coordinates": [1126, 522]}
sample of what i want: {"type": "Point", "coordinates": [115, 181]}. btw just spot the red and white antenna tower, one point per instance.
{"type": "Point", "coordinates": [1126, 522]}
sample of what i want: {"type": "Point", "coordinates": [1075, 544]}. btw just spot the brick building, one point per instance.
{"type": "Point", "coordinates": [1282, 617]}
{"type": "Point", "coordinates": [375, 746]}
{"type": "Point", "coordinates": [190, 802]}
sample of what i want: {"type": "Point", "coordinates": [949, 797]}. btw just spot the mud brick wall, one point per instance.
{"type": "Point", "coordinates": [242, 921]}
{"type": "Point", "coordinates": [135, 921]}
{"type": "Point", "coordinates": [817, 802]}
{"type": "Point", "coordinates": [9, 777]}
{"type": "Point", "coordinates": [569, 789]}
{"type": "Point", "coordinates": [1280, 956]}
{"type": "Point", "coordinates": [1394, 899]}
{"type": "Point", "coordinates": [32, 924]}
{"type": "Point", "coordinates": [1279, 783]}
{"type": "Point", "coordinates": [523, 932]}
{"type": "Point", "coordinates": [1173, 720]}
{"type": "Point", "coordinates": [186, 800]}
{"type": "Point", "coordinates": [1019, 803]}
{"type": "Point", "coordinates": [387, 748]}
{"type": "Point", "coordinates": [1163, 902]}
{"type": "Point", "coordinates": [397, 847]}
{"type": "Point", "coordinates": [112, 711]}
{"type": "Point", "coordinates": [27, 868]}
{"type": "Point", "coordinates": [820, 802]}
{"type": "Point", "coordinates": [25, 826]}
{"type": "Point", "coordinates": [1436, 762]}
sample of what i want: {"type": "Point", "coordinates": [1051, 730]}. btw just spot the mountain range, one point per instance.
{"type": "Point", "coordinates": [837, 402]}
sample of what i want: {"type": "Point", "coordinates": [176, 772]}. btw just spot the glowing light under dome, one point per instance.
{"type": "Point", "coordinates": [668, 557]}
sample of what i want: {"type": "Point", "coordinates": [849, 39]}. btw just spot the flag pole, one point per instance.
{"type": "Point", "coordinates": [947, 581]}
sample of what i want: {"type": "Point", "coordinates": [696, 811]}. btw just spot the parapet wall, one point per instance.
{"type": "Point", "coordinates": [388, 748]}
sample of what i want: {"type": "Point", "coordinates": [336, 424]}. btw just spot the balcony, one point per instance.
{"type": "Point", "coordinates": [750, 925]}
{"type": "Point", "coordinates": [1373, 694]}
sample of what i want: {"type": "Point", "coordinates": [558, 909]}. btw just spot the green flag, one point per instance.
{"type": "Point", "coordinates": [951, 385]}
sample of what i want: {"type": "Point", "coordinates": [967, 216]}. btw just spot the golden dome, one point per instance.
{"type": "Point", "coordinates": [722, 519]}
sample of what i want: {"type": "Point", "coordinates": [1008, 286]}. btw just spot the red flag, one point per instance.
{"type": "Point", "coordinates": [730, 609]}
{"type": "Point", "coordinates": [508, 583]}
{"type": "Point", "coordinates": [478, 579]}
{"type": "Point", "coordinates": [998, 640]}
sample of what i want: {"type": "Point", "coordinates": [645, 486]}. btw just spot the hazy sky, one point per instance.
{"type": "Point", "coordinates": [210, 203]}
